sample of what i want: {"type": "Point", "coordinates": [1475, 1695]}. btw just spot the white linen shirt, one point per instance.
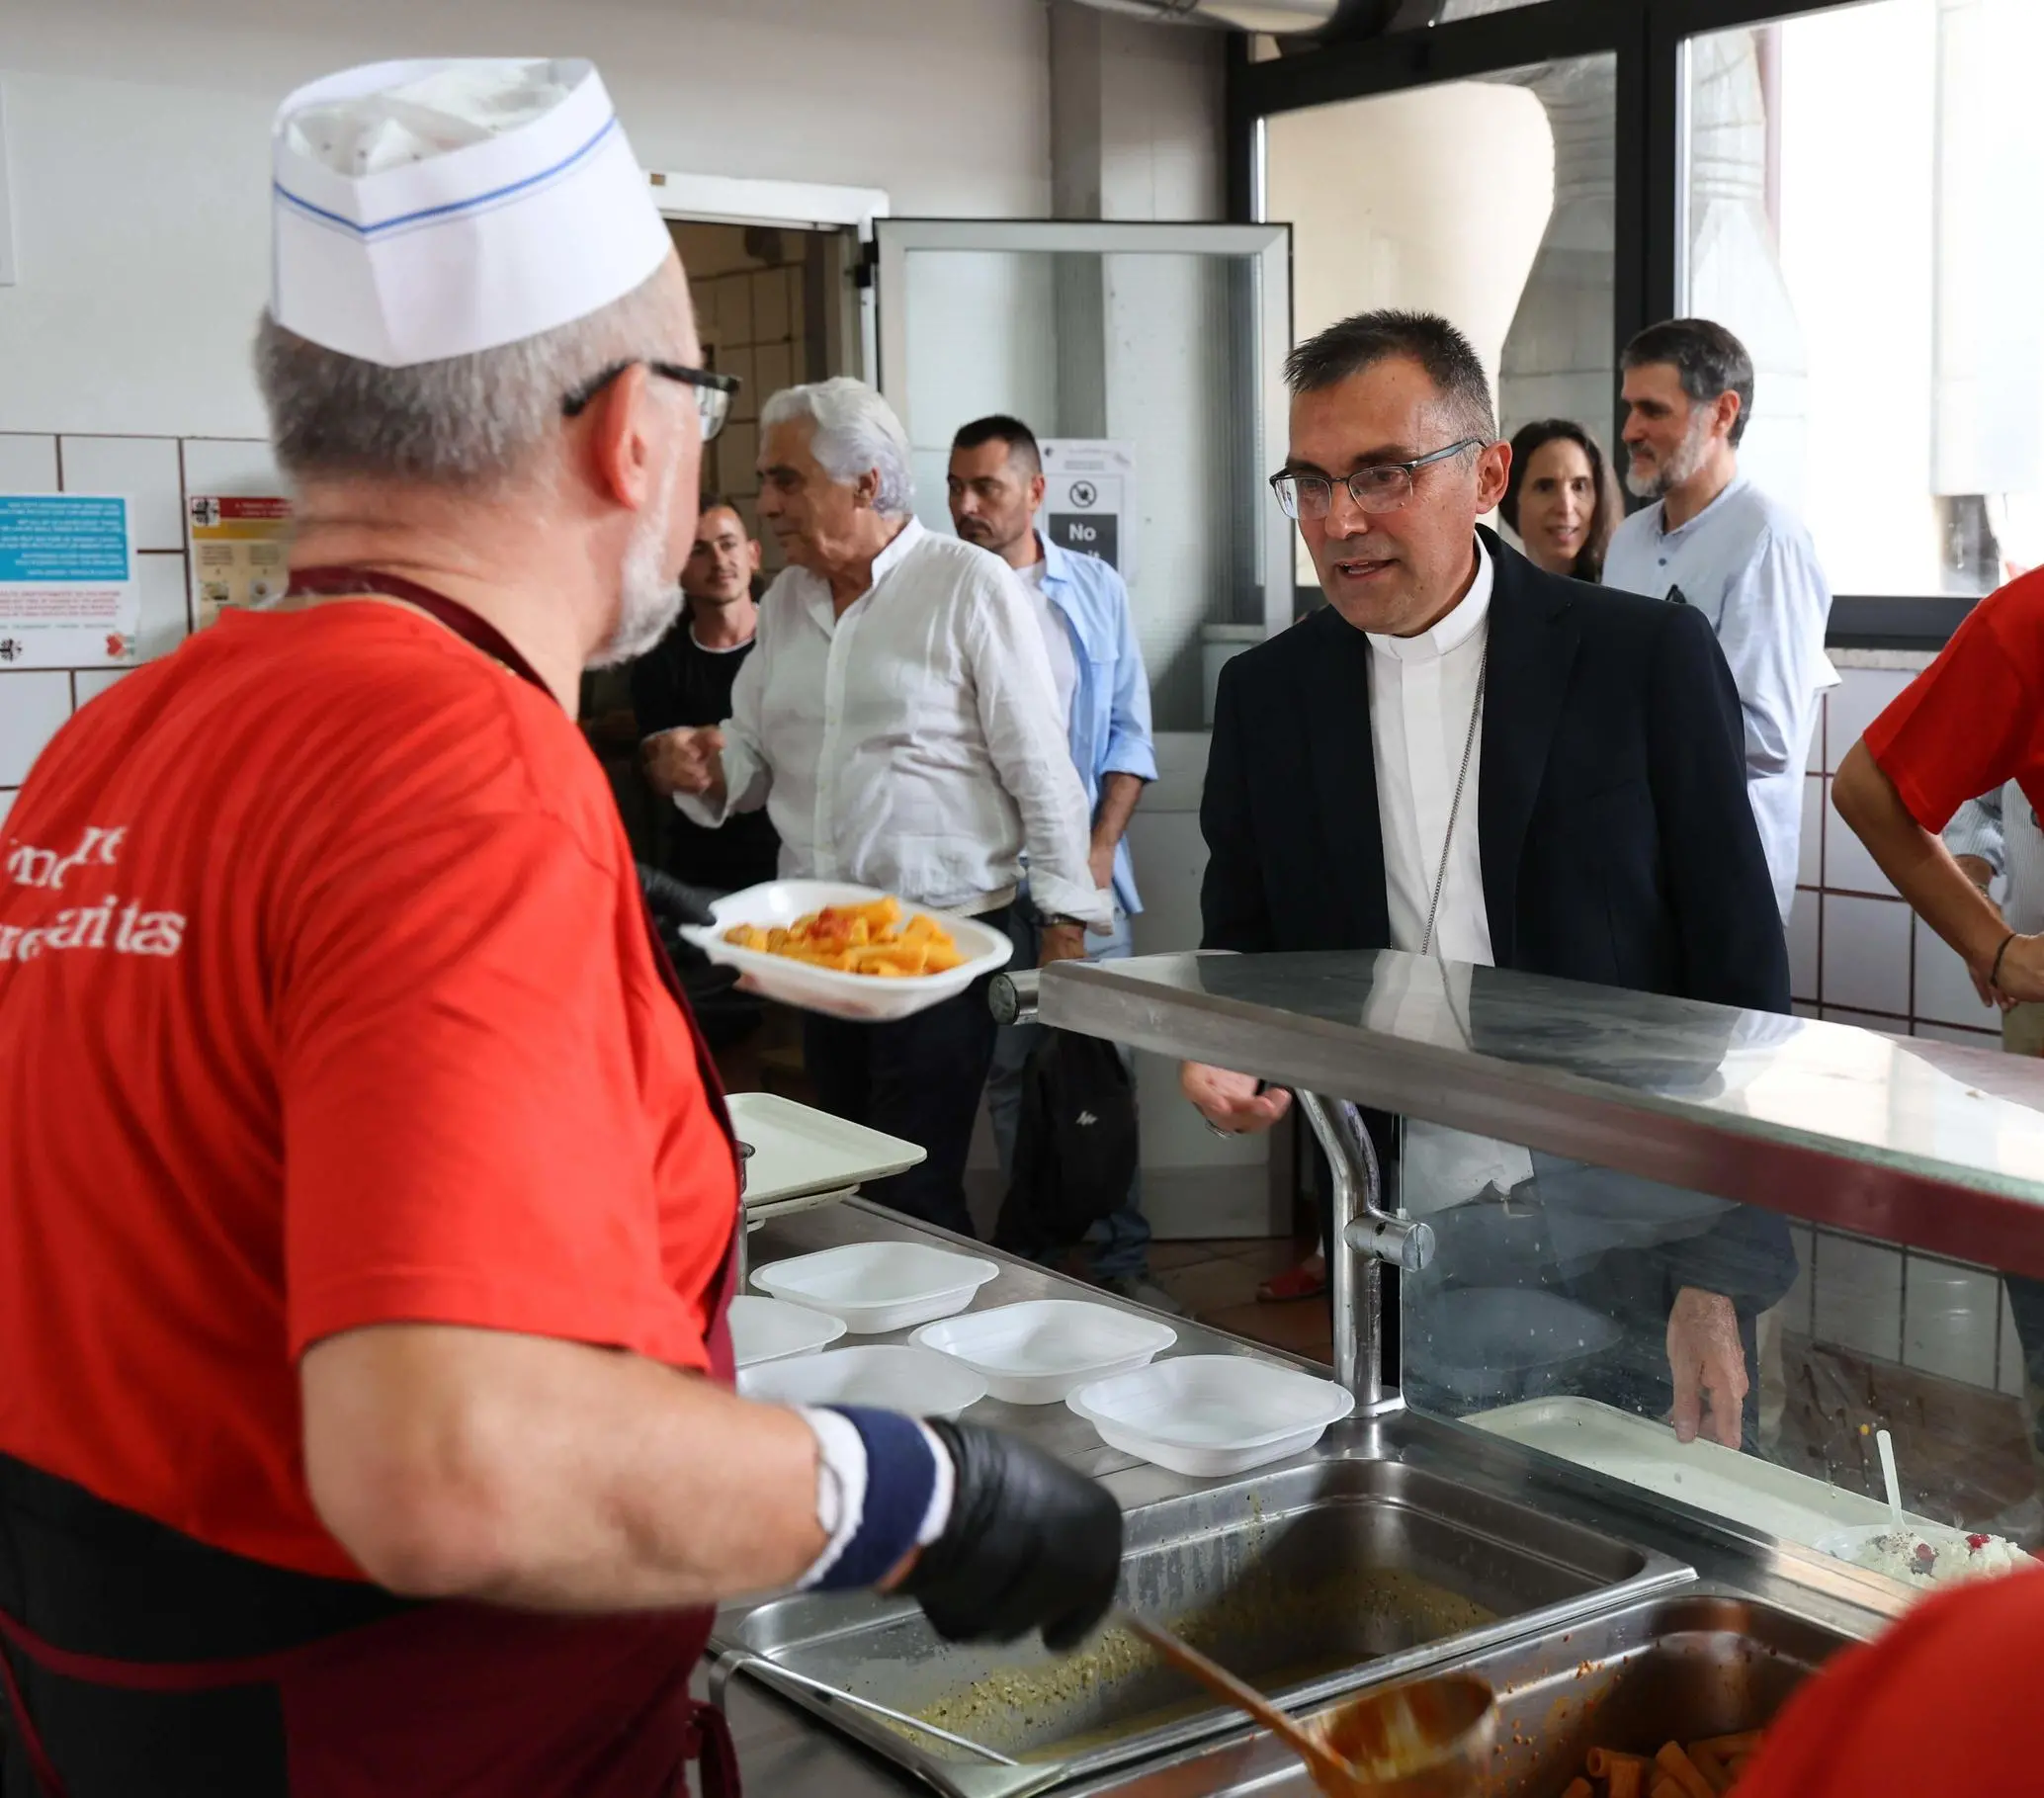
{"type": "Point", "coordinates": [1422, 691]}
{"type": "Point", "coordinates": [914, 743]}
{"type": "Point", "coordinates": [1747, 564]}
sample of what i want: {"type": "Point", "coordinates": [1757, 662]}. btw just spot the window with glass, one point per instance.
{"type": "Point", "coordinates": [1864, 200]}
{"type": "Point", "coordinates": [1509, 234]}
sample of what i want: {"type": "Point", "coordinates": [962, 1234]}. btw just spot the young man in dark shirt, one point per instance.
{"type": "Point", "coordinates": [686, 680]}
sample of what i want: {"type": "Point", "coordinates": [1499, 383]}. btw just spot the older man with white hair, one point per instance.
{"type": "Point", "coordinates": [899, 722]}
{"type": "Point", "coordinates": [369, 1216]}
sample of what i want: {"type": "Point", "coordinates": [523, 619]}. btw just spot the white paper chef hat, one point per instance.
{"type": "Point", "coordinates": [425, 210]}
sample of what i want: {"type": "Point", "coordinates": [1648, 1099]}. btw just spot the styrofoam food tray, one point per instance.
{"type": "Point", "coordinates": [876, 1287]}
{"type": "Point", "coordinates": [1642, 1451]}
{"type": "Point", "coordinates": [772, 1329]}
{"type": "Point", "coordinates": [1206, 1414]}
{"type": "Point", "coordinates": [825, 989]}
{"type": "Point", "coordinates": [1038, 1352]}
{"type": "Point", "coordinates": [919, 1381]}
{"type": "Point", "coordinates": [797, 1150]}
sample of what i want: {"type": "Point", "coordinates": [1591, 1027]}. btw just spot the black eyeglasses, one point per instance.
{"type": "Point", "coordinates": [1382, 486]}
{"type": "Point", "coordinates": [713, 390]}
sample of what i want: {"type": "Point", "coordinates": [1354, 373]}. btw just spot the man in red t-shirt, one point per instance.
{"type": "Point", "coordinates": [367, 1208]}
{"type": "Point", "coordinates": [1971, 721]}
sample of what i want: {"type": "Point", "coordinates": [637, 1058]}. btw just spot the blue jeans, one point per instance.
{"type": "Point", "coordinates": [1120, 1241]}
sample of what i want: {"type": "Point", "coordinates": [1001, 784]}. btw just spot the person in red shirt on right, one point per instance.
{"type": "Point", "coordinates": [1945, 1702]}
{"type": "Point", "coordinates": [1969, 723]}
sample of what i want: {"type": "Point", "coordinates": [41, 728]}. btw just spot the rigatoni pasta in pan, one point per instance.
{"type": "Point", "coordinates": [1705, 1768]}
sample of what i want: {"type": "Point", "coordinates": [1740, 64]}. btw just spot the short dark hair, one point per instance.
{"type": "Point", "coordinates": [708, 502]}
{"type": "Point", "coordinates": [1610, 505]}
{"type": "Point", "coordinates": [1355, 344]}
{"type": "Point", "coordinates": [999, 427]}
{"type": "Point", "coordinates": [1707, 358]}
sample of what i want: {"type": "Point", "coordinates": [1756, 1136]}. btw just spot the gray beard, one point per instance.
{"type": "Point", "coordinates": [1689, 458]}
{"type": "Point", "coordinates": [648, 602]}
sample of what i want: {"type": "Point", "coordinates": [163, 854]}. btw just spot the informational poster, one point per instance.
{"type": "Point", "coordinates": [240, 552]}
{"type": "Point", "coordinates": [67, 591]}
{"type": "Point", "coordinates": [1089, 498]}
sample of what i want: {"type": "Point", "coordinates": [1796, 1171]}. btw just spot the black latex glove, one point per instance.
{"type": "Point", "coordinates": [674, 903]}
{"type": "Point", "coordinates": [1030, 1545]}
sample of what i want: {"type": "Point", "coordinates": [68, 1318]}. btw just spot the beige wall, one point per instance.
{"type": "Point", "coordinates": [1435, 198]}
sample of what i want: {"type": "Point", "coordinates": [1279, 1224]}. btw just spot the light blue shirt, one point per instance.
{"type": "Point", "coordinates": [1110, 702]}
{"type": "Point", "coordinates": [1749, 565]}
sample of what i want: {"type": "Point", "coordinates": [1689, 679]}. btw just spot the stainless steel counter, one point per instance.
{"type": "Point", "coordinates": [787, 1752]}
{"type": "Point", "coordinates": [1915, 1141]}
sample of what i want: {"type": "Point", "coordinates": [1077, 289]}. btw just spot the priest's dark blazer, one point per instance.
{"type": "Point", "coordinates": [1617, 842]}
{"type": "Point", "coordinates": [1611, 814]}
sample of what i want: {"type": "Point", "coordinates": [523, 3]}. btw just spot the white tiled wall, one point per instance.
{"type": "Point", "coordinates": [155, 473]}
{"type": "Point", "coordinates": [1858, 955]}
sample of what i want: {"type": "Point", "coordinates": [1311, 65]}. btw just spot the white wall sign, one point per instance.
{"type": "Point", "coordinates": [68, 590]}
{"type": "Point", "coordinates": [1089, 498]}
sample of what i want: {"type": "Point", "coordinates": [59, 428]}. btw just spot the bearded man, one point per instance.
{"type": "Point", "coordinates": [1714, 541]}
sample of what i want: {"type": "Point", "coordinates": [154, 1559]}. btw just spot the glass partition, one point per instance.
{"type": "Point", "coordinates": [1563, 1294]}
{"type": "Point", "coordinates": [1588, 1163]}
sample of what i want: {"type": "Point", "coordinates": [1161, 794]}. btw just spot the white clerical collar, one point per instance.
{"type": "Point", "coordinates": [1452, 632]}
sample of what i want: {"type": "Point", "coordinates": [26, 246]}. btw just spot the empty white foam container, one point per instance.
{"type": "Point", "coordinates": [919, 1381]}
{"type": "Point", "coordinates": [1209, 1415]}
{"type": "Point", "coordinates": [772, 1329]}
{"type": "Point", "coordinates": [1040, 1350]}
{"type": "Point", "coordinates": [876, 1287]}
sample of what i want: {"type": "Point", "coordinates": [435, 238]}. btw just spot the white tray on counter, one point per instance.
{"type": "Point", "coordinates": [1040, 1350]}
{"type": "Point", "coordinates": [876, 1287]}
{"type": "Point", "coordinates": [918, 1381]}
{"type": "Point", "coordinates": [772, 1329]}
{"type": "Point", "coordinates": [1209, 1415]}
{"type": "Point", "coordinates": [797, 1150]}
{"type": "Point", "coordinates": [827, 989]}
{"type": "Point", "coordinates": [1705, 1475]}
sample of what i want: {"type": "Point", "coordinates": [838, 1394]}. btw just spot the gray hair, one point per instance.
{"type": "Point", "coordinates": [470, 421]}
{"type": "Point", "coordinates": [856, 432]}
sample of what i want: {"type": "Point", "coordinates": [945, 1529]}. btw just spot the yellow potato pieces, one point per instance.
{"type": "Point", "coordinates": [868, 939]}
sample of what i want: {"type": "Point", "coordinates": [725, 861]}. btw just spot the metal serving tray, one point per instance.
{"type": "Point", "coordinates": [1308, 1580]}
{"type": "Point", "coordinates": [1699, 1665]}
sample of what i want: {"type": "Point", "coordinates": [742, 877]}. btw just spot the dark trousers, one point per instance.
{"type": "Point", "coordinates": [916, 1077]}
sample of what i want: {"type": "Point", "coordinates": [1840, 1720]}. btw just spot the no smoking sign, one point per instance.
{"type": "Point", "coordinates": [1088, 494]}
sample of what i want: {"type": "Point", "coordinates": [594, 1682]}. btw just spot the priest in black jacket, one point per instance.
{"type": "Point", "coordinates": [1463, 756]}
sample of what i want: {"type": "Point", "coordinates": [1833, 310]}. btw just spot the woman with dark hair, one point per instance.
{"type": "Point", "coordinates": [1562, 498]}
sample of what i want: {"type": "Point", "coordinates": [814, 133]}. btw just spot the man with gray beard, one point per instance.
{"type": "Point", "coordinates": [1714, 541]}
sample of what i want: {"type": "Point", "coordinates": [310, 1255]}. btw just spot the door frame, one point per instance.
{"type": "Point", "coordinates": [1269, 245]}
{"type": "Point", "coordinates": [846, 213]}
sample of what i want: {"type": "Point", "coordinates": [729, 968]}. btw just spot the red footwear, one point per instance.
{"type": "Point", "coordinates": [1306, 1281]}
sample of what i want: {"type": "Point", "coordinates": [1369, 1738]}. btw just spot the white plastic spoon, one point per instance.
{"type": "Point", "coordinates": [1886, 1444]}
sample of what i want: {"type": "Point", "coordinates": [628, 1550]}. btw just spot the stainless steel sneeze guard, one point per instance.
{"type": "Point", "coordinates": [1917, 1141]}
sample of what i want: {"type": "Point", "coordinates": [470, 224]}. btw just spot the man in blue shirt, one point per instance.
{"type": "Point", "coordinates": [1714, 541]}
{"type": "Point", "coordinates": [997, 487]}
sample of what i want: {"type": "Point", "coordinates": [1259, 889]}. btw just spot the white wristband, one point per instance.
{"type": "Point", "coordinates": [840, 1486]}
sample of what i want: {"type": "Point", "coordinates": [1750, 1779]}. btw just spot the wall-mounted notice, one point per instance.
{"type": "Point", "coordinates": [67, 591]}
{"type": "Point", "coordinates": [240, 552]}
{"type": "Point", "coordinates": [1089, 498]}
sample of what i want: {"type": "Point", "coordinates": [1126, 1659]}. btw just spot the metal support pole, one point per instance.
{"type": "Point", "coordinates": [1362, 1234]}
